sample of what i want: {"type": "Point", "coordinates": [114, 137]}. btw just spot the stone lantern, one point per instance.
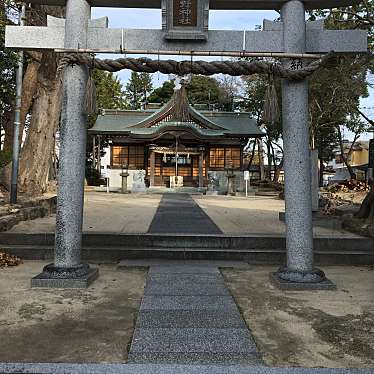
{"type": "Point", "coordinates": [230, 180]}
{"type": "Point", "coordinates": [185, 19]}
{"type": "Point", "coordinates": [124, 174]}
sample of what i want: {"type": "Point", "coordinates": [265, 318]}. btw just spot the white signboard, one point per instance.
{"type": "Point", "coordinates": [246, 175]}
{"type": "Point", "coordinates": [105, 173]}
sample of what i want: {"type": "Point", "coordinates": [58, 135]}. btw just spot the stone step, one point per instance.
{"type": "Point", "coordinates": [198, 358]}
{"type": "Point", "coordinates": [190, 241]}
{"type": "Point", "coordinates": [252, 256]}
{"type": "Point", "coordinates": [10, 215]}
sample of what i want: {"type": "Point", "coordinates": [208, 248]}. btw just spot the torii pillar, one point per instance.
{"type": "Point", "coordinates": [299, 272]}
{"type": "Point", "coordinates": [68, 270]}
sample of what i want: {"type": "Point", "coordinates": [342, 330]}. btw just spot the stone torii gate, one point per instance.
{"type": "Point", "coordinates": [185, 29]}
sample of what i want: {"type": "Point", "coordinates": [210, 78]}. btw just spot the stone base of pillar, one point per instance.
{"type": "Point", "coordinates": [285, 279]}
{"type": "Point", "coordinates": [56, 277]}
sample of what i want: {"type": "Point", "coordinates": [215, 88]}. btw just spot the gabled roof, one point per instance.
{"type": "Point", "coordinates": [176, 115]}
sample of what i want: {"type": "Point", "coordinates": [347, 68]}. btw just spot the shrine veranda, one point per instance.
{"type": "Point", "coordinates": [185, 29]}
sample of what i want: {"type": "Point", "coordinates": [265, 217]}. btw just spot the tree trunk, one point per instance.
{"type": "Point", "coordinates": [278, 170]}
{"type": "Point", "coordinates": [250, 162]}
{"type": "Point", "coordinates": [321, 171]}
{"type": "Point", "coordinates": [38, 148]}
{"type": "Point", "coordinates": [268, 171]}
{"type": "Point", "coordinates": [8, 123]}
{"type": "Point", "coordinates": [367, 207]}
{"type": "Point", "coordinates": [29, 85]}
{"type": "Point", "coordinates": [261, 159]}
{"type": "Point", "coordinates": [344, 158]}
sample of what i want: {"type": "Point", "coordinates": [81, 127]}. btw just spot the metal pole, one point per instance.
{"type": "Point", "coordinates": [17, 119]}
{"type": "Point", "coordinates": [312, 56]}
{"type": "Point", "coordinates": [94, 152]}
{"type": "Point", "coordinates": [176, 160]}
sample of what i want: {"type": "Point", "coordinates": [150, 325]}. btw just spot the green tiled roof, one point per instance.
{"type": "Point", "coordinates": [134, 124]}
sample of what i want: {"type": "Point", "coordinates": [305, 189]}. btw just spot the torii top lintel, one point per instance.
{"type": "Point", "coordinates": [214, 4]}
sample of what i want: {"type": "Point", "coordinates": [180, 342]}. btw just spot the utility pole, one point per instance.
{"type": "Point", "coordinates": [17, 119]}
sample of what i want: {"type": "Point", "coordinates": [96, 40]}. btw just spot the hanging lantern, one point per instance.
{"type": "Point", "coordinates": [185, 19]}
{"type": "Point", "coordinates": [164, 158]}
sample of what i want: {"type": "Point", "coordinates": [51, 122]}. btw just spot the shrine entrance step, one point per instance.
{"type": "Point", "coordinates": [177, 190]}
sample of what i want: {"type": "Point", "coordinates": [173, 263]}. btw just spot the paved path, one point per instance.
{"type": "Point", "coordinates": [178, 213]}
{"type": "Point", "coordinates": [187, 316]}
{"type": "Point", "coordinates": [166, 369]}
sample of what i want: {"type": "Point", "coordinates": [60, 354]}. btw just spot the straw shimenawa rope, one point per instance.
{"type": "Point", "coordinates": [234, 68]}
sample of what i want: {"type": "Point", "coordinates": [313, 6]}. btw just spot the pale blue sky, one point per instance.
{"type": "Point", "coordinates": [229, 20]}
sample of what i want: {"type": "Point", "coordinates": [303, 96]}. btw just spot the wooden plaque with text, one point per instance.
{"type": "Point", "coordinates": [185, 13]}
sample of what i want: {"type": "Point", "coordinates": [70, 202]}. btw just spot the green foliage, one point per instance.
{"type": "Point", "coordinates": [138, 89]}
{"type": "Point", "coordinates": [109, 95]}
{"type": "Point", "coordinates": [8, 63]}
{"type": "Point", "coordinates": [203, 90]}
{"type": "Point", "coordinates": [255, 89]}
{"type": "Point", "coordinates": [109, 90]}
{"type": "Point", "coordinates": [335, 93]}
{"type": "Point", "coordinates": [162, 94]}
{"type": "Point", "coordinates": [5, 158]}
{"type": "Point", "coordinates": [358, 16]}
{"type": "Point", "coordinates": [200, 90]}
{"type": "Point", "coordinates": [93, 177]}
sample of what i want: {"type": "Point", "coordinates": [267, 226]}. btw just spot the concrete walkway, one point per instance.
{"type": "Point", "coordinates": [188, 316]}
{"type": "Point", "coordinates": [179, 214]}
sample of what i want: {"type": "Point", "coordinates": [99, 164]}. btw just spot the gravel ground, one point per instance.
{"type": "Point", "coordinates": [309, 328]}
{"type": "Point", "coordinates": [93, 325]}
{"type": "Point", "coordinates": [254, 215]}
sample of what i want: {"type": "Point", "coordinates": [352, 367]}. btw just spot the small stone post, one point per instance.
{"type": "Point", "coordinates": [68, 269]}
{"type": "Point", "coordinates": [124, 174]}
{"type": "Point", "coordinates": [201, 168]}
{"type": "Point", "coordinates": [299, 272]}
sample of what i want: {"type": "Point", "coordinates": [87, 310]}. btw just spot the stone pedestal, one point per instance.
{"type": "Point", "coordinates": [60, 277]}
{"type": "Point", "coordinates": [68, 269]}
{"type": "Point", "coordinates": [138, 184]}
{"type": "Point", "coordinates": [299, 272]}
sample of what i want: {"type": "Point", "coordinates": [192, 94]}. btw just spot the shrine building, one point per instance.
{"type": "Point", "coordinates": [156, 145]}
